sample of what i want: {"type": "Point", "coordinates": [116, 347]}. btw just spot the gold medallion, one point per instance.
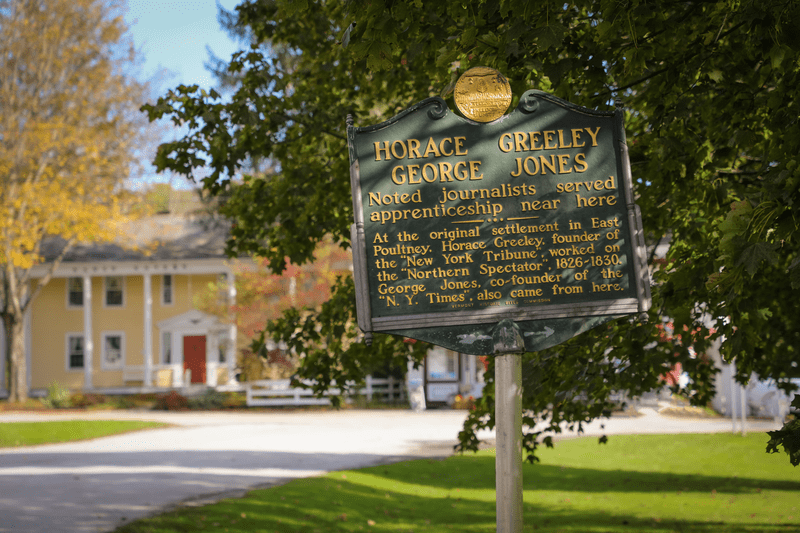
{"type": "Point", "coordinates": [482, 94]}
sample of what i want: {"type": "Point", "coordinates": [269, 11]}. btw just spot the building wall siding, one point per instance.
{"type": "Point", "coordinates": [52, 320]}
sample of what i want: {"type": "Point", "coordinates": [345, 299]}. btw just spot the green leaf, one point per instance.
{"type": "Point", "coordinates": [752, 256]}
{"type": "Point", "coordinates": [549, 36]}
{"type": "Point", "coordinates": [292, 7]}
{"type": "Point", "coordinates": [776, 56]}
{"type": "Point", "coordinates": [469, 35]}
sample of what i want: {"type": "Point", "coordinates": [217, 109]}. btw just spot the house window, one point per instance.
{"type": "Point", "coordinates": [113, 351]}
{"type": "Point", "coordinates": [166, 289]}
{"type": "Point", "coordinates": [75, 292]}
{"type": "Point", "coordinates": [114, 291]}
{"type": "Point", "coordinates": [166, 348]}
{"type": "Point", "coordinates": [74, 352]}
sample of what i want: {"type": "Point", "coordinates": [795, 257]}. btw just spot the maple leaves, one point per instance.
{"type": "Point", "coordinates": [262, 295]}
{"type": "Point", "coordinates": [711, 120]}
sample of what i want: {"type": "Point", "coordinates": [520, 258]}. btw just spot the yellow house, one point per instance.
{"type": "Point", "coordinates": [117, 319]}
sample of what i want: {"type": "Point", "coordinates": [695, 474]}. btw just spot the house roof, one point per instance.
{"type": "Point", "coordinates": [154, 238]}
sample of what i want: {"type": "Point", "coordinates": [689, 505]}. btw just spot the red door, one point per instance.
{"type": "Point", "coordinates": [194, 357]}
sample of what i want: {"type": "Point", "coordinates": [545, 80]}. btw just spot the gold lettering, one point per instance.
{"type": "Point", "coordinates": [534, 139]}
{"type": "Point", "coordinates": [462, 174]}
{"type": "Point", "coordinates": [505, 148]}
{"type": "Point", "coordinates": [519, 142]}
{"type": "Point", "coordinates": [431, 148]}
{"type": "Point", "coordinates": [441, 146]}
{"type": "Point", "coordinates": [596, 185]}
{"type": "Point", "coordinates": [474, 167]}
{"type": "Point", "coordinates": [593, 135]}
{"type": "Point", "coordinates": [445, 170]}
{"type": "Point", "coordinates": [519, 168]}
{"type": "Point", "coordinates": [551, 165]}
{"type": "Point", "coordinates": [412, 173]}
{"type": "Point", "coordinates": [576, 136]}
{"type": "Point", "coordinates": [595, 201]}
{"type": "Point", "coordinates": [563, 160]}
{"type": "Point", "coordinates": [413, 149]}
{"type": "Point", "coordinates": [580, 159]}
{"type": "Point", "coordinates": [460, 145]}
{"type": "Point", "coordinates": [398, 176]}
{"type": "Point", "coordinates": [378, 150]}
{"type": "Point", "coordinates": [394, 149]}
{"type": "Point", "coordinates": [531, 159]}
{"type": "Point", "coordinates": [561, 140]}
{"type": "Point", "coordinates": [425, 172]}
{"type": "Point", "coordinates": [549, 136]}
{"type": "Point", "coordinates": [537, 205]}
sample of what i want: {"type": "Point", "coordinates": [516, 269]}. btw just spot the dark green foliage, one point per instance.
{"type": "Point", "coordinates": [712, 124]}
{"type": "Point", "coordinates": [788, 436]}
{"type": "Point", "coordinates": [210, 399]}
{"type": "Point", "coordinates": [327, 339]}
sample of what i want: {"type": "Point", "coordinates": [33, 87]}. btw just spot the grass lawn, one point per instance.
{"type": "Point", "coordinates": [27, 433]}
{"type": "Point", "coordinates": [660, 484]}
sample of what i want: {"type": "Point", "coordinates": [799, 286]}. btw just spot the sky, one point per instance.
{"type": "Point", "coordinates": [172, 37]}
{"type": "Point", "coordinates": [174, 34]}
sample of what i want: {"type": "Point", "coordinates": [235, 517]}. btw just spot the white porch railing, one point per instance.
{"type": "Point", "coordinates": [162, 375]}
{"type": "Point", "coordinates": [133, 373]}
{"type": "Point", "coordinates": [277, 392]}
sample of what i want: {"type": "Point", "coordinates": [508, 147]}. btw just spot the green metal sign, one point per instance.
{"type": "Point", "coordinates": [527, 222]}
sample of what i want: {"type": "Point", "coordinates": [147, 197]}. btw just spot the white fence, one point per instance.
{"type": "Point", "coordinates": [278, 392]}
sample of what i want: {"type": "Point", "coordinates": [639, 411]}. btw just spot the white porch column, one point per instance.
{"type": "Point", "coordinates": [176, 341]}
{"type": "Point", "coordinates": [88, 343]}
{"type": "Point", "coordinates": [230, 356]}
{"type": "Point", "coordinates": [148, 330]}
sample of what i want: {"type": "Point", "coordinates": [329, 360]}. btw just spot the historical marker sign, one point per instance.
{"type": "Point", "coordinates": [460, 225]}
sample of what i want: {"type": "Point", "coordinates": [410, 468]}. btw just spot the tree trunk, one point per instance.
{"type": "Point", "coordinates": [7, 352]}
{"type": "Point", "coordinates": [18, 364]}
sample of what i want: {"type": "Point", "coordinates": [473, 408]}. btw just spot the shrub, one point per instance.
{"type": "Point", "coordinates": [171, 402]}
{"type": "Point", "coordinates": [234, 400]}
{"type": "Point", "coordinates": [144, 398]}
{"type": "Point", "coordinates": [123, 402]}
{"type": "Point", "coordinates": [210, 399]}
{"type": "Point", "coordinates": [57, 396]}
{"type": "Point", "coordinates": [86, 400]}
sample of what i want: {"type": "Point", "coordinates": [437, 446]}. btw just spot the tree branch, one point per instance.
{"type": "Point", "coordinates": [695, 46]}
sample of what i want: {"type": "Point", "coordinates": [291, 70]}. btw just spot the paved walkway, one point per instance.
{"type": "Point", "coordinates": [100, 484]}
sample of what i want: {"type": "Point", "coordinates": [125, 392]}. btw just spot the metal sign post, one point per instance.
{"type": "Point", "coordinates": [495, 234]}
{"type": "Point", "coordinates": [508, 426]}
